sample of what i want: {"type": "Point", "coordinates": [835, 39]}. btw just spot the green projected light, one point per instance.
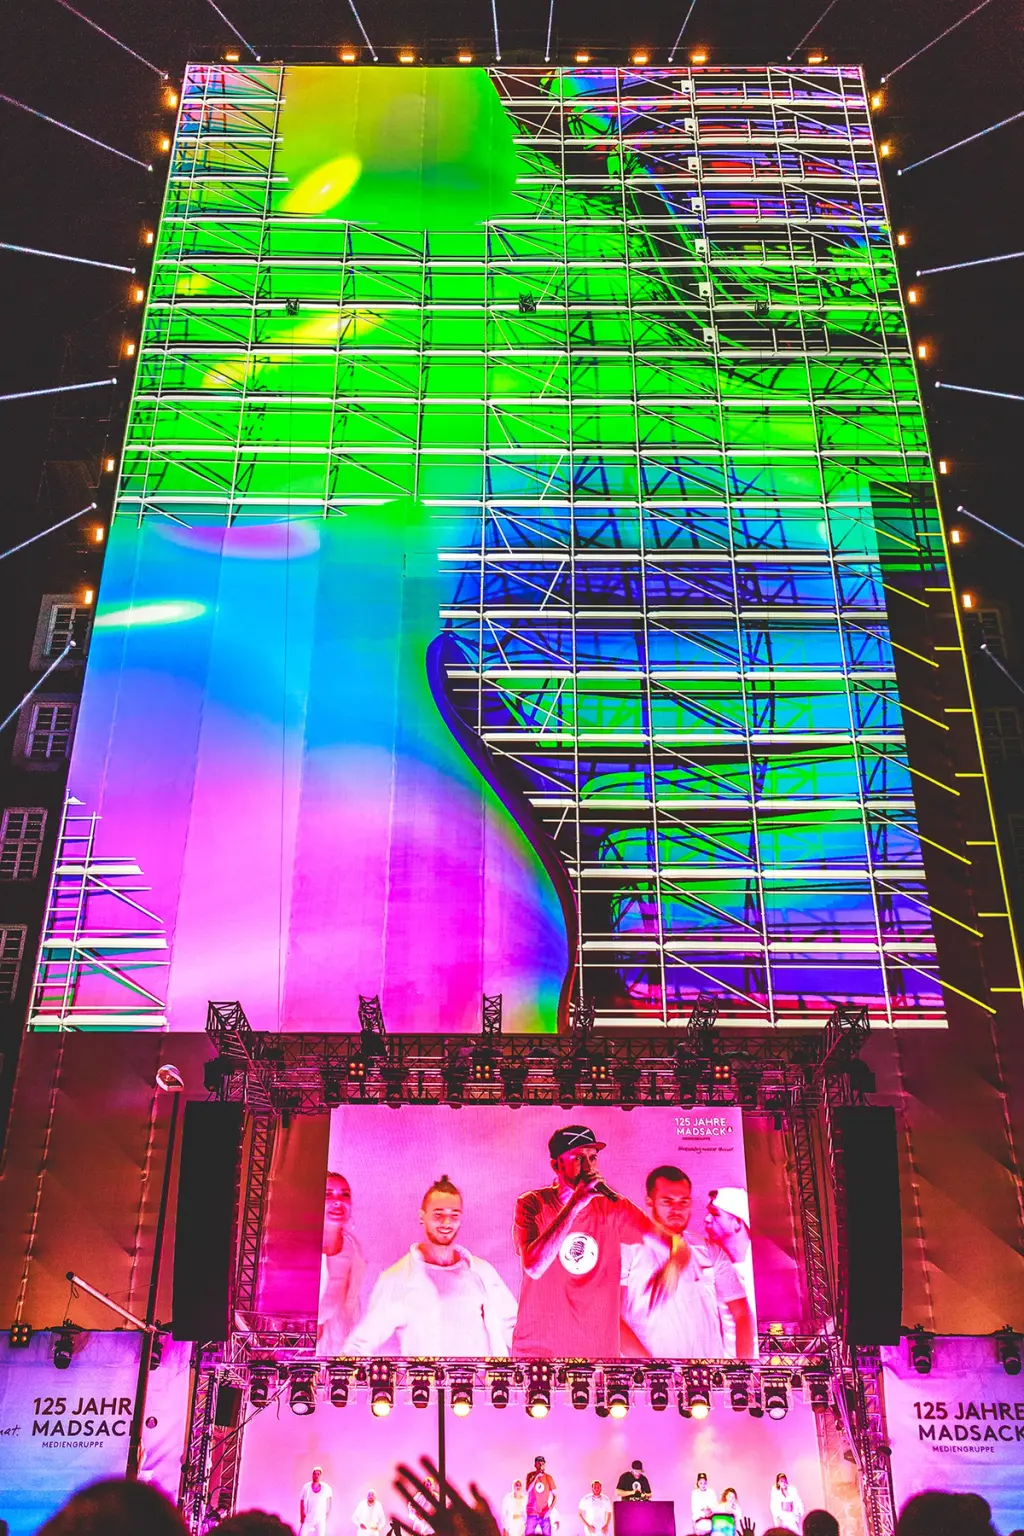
{"type": "Point", "coordinates": [557, 435]}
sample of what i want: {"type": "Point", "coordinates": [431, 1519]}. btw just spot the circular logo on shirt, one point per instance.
{"type": "Point", "coordinates": [578, 1253]}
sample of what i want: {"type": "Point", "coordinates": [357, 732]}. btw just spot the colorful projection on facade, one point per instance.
{"type": "Point", "coordinates": [527, 1232]}
{"type": "Point", "coordinates": [496, 600]}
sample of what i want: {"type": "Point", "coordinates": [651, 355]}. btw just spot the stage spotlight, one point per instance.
{"type": "Point", "coordinates": [382, 1389]}
{"type": "Point", "coordinates": [699, 1402]}
{"type": "Point", "coordinates": [658, 1390]}
{"type": "Point", "coordinates": [641, 57]}
{"type": "Point", "coordinates": [337, 1385]}
{"type": "Point", "coordinates": [260, 1378]}
{"type": "Point", "coordinates": [538, 1389]}
{"type": "Point", "coordinates": [617, 1396]}
{"type": "Point", "coordinates": [919, 1347]}
{"type": "Point", "coordinates": [513, 1081]}
{"type": "Point", "coordinates": [501, 1389]}
{"type": "Point", "coordinates": [579, 1391]}
{"type": "Point", "coordinates": [776, 1400]}
{"type": "Point", "coordinates": [462, 1396]}
{"type": "Point", "coordinates": [683, 1405]}
{"type": "Point", "coordinates": [819, 1394]}
{"type": "Point", "coordinates": [302, 1390]}
{"type": "Point", "coordinates": [419, 1389]}
{"type": "Point", "coordinates": [64, 1346]}
{"type": "Point", "coordinates": [748, 1086]}
{"type": "Point", "coordinates": [739, 1393]}
{"type": "Point", "coordinates": [1008, 1354]}
{"type": "Point", "coordinates": [20, 1335]}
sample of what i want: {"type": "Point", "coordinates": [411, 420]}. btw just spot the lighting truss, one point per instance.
{"type": "Point", "coordinates": [309, 1073]}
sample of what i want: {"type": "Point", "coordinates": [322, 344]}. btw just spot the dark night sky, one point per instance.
{"type": "Point", "coordinates": [62, 194]}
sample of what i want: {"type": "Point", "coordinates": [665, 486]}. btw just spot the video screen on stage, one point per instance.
{"type": "Point", "coordinates": [537, 1232]}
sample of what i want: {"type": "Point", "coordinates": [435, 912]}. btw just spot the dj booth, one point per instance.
{"type": "Point", "coordinates": [645, 1517]}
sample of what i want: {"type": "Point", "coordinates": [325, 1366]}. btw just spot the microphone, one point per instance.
{"type": "Point", "coordinates": [601, 1188]}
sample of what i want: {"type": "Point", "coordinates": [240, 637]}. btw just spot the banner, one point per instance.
{"type": "Point", "coordinates": [62, 1429]}
{"type": "Point", "coordinates": [536, 1232]}
{"type": "Point", "coordinates": [959, 1429]}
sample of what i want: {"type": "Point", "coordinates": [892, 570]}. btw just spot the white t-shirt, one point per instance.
{"type": "Point", "coordinates": [787, 1509]}
{"type": "Point", "coordinates": [513, 1514]}
{"type": "Point", "coordinates": [370, 1517]}
{"type": "Point", "coordinates": [461, 1295]}
{"type": "Point", "coordinates": [596, 1509]}
{"type": "Point", "coordinates": [315, 1501]}
{"type": "Point", "coordinates": [687, 1324]}
{"type": "Point", "coordinates": [703, 1503]}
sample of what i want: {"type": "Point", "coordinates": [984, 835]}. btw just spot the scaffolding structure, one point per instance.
{"type": "Point", "coordinates": [662, 420]}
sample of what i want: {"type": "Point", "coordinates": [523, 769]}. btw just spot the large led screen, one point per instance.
{"type": "Point", "coordinates": [538, 1233]}
{"type": "Point", "coordinates": [496, 596]}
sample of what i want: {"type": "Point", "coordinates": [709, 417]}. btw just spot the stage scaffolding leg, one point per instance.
{"type": "Point", "coordinates": [876, 1461]}
{"type": "Point", "coordinates": [192, 1496]}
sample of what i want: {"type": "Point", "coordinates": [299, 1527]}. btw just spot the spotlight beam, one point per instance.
{"type": "Point", "coordinates": [228, 23]}
{"type": "Point", "coordinates": [965, 389]}
{"type": "Point", "coordinates": [112, 39]}
{"type": "Point", "coordinates": [497, 39]}
{"type": "Point", "coordinates": [935, 40]}
{"type": "Point", "coordinates": [811, 30]}
{"type": "Point", "coordinates": [682, 29]}
{"type": "Point", "coordinates": [961, 142]}
{"type": "Point", "coordinates": [23, 107]}
{"type": "Point", "coordinates": [366, 35]}
{"type": "Point", "coordinates": [1004, 669]}
{"type": "Point", "coordinates": [963, 512]}
{"type": "Point", "coordinates": [13, 715]}
{"type": "Point", "coordinates": [551, 22]}
{"type": "Point", "coordinates": [52, 529]}
{"type": "Point", "coordinates": [83, 261]}
{"type": "Point", "coordinates": [57, 389]}
{"type": "Point", "coordinates": [958, 266]}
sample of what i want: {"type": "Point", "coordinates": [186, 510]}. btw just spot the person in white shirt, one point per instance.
{"type": "Point", "coordinates": [315, 1502]}
{"type": "Point", "coordinates": [513, 1511]}
{"type": "Point", "coordinates": [729, 1504]}
{"type": "Point", "coordinates": [595, 1512]}
{"type": "Point", "coordinates": [368, 1517]}
{"type": "Point", "coordinates": [416, 1510]}
{"type": "Point", "coordinates": [342, 1267]}
{"type": "Point", "coordinates": [439, 1299]}
{"type": "Point", "coordinates": [727, 1230]}
{"type": "Point", "coordinates": [787, 1506]}
{"type": "Point", "coordinates": [702, 1505]}
{"type": "Point", "coordinates": [687, 1323]}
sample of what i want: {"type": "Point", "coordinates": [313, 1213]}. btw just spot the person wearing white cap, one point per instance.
{"type": "Point", "coordinates": [727, 1229]}
{"type": "Point", "coordinates": [315, 1502]}
{"type": "Point", "coordinates": [368, 1517]}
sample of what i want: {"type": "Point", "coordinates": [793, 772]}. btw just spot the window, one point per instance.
{"type": "Point", "coordinates": [1000, 733]}
{"type": "Point", "coordinates": [21, 842]}
{"type": "Point", "coordinates": [993, 635]}
{"type": "Point", "coordinates": [44, 732]}
{"type": "Point", "coordinates": [61, 618]}
{"type": "Point", "coordinates": [12, 947]}
{"type": "Point", "coordinates": [984, 627]}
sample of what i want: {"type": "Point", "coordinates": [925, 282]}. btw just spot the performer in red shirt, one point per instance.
{"type": "Point", "coordinates": [569, 1238]}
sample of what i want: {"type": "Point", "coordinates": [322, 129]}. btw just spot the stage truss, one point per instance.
{"type": "Point", "coordinates": [798, 1080]}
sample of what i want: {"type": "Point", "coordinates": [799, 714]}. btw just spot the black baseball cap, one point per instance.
{"type": "Point", "coordinates": [571, 1137]}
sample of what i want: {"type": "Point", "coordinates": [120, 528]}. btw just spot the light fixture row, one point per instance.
{"type": "Point", "coordinates": [610, 1389]}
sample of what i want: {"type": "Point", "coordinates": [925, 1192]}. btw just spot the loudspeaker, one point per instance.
{"type": "Point", "coordinates": [227, 1406]}
{"type": "Point", "coordinates": [204, 1232]}
{"type": "Point", "coordinates": [870, 1182]}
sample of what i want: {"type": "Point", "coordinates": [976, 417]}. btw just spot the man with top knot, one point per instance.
{"type": "Point", "coordinates": [569, 1238]}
